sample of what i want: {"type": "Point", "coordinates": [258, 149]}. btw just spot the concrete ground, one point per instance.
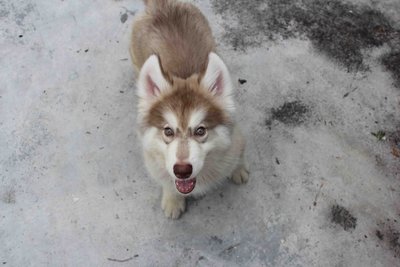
{"type": "Point", "coordinates": [321, 77]}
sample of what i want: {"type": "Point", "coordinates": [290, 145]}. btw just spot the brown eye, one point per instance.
{"type": "Point", "coordinates": [201, 131]}
{"type": "Point", "coordinates": [168, 132]}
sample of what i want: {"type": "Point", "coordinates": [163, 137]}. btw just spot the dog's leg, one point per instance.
{"type": "Point", "coordinates": [172, 203]}
{"type": "Point", "coordinates": [241, 173]}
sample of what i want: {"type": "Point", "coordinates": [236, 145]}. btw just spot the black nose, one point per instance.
{"type": "Point", "coordinates": [183, 171]}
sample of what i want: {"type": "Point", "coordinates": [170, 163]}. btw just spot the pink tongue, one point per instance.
{"type": "Point", "coordinates": [185, 186]}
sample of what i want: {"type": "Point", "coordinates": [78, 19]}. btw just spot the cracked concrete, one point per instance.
{"type": "Point", "coordinates": [73, 189]}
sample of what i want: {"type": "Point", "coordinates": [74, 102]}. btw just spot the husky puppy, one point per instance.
{"type": "Point", "coordinates": [185, 104]}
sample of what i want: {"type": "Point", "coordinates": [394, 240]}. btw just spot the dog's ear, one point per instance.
{"type": "Point", "coordinates": [217, 79]}
{"type": "Point", "coordinates": [151, 80]}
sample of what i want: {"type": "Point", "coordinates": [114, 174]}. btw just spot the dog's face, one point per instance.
{"type": "Point", "coordinates": [183, 121]}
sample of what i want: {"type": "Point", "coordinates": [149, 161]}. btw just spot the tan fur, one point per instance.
{"type": "Point", "coordinates": [184, 97]}
{"type": "Point", "coordinates": [181, 38]}
{"type": "Point", "coordinates": [183, 150]}
{"type": "Point", "coordinates": [177, 32]}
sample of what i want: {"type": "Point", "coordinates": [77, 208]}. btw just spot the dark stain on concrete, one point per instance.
{"type": "Point", "coordinates": [379, 235]}
{"type": "Point", "coordinates": [389, 237]}
{"type": "Point", "coordinates": [394, 242]}
{"type": "Point", "coordinates": [394, 143]}
{"type": "Point", "coordinates": [21, 12]}
{"type": "Point", "coordinates": [229, 249]}
{"type": "Point", "coordinates": [391, 61]}
{"type": "Point", "coordinates": [124, 17]}
{"type": "Point", "coordinates": [4, 10]}
{"type": "Point", "coordinates": [291, 113]}
{"type": "Point", "coordinates": [242, 81]}
{"type": "Point", "coordinates": [343, 217]}
{"type": "Point", "coordinates": [9, 197]}
{"type": "Point", "coordinates": [216, 239]}
{"type": "Point", "coordinates": [340, 30]}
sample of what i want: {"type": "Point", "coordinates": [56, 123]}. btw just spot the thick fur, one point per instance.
{"type": "Point", "coordinates": [175, 31]}
{"type": "Point", "coordinates": [183, 86]}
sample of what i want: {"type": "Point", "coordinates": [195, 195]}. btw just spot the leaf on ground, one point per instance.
{"type": "Point", "coordinates": [380, 135]}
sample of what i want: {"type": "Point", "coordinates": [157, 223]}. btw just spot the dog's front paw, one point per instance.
{"type": "Point", "coordinates": [240, 175]}
{"type": "Point", "coordinates": [173, 206]}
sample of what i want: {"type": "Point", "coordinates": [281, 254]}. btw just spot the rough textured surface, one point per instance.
{"type": "Point", "coordinates": [289, 113]}
{"type": "Point", "coordinates": [73, 189]}
{"type": "Point", "coordinates": [343, 217]}
{"type": "Point", "coordinates": [392, 62]}
{"type": "Point", "coordinates": [339, 29]}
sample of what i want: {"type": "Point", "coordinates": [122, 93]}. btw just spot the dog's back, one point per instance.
{"type": "Point", "coordinates": [177, 32]}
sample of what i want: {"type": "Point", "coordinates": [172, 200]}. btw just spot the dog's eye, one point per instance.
{"type": "Point", "coordinates": [201, 131]}
{"type": "Point", "coordinates": [168, 132]}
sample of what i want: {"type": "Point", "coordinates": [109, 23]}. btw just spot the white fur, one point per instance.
{"type": "Point", "coordinates": [218, 157]}
{"type": "Point", "coordinates": [151, 69]}
{"type": "Point", "coordinates": [216, 69]}
{"type": "Point", "coordinates": [172, 120]}
{"type": "Point", "coordinates": [196, 157]}
{"type": "Point", "coordinates": [150, 140]}
{"type": "Point", "coordinates": [212, 161]}
{"type": "Point", "coordinates": [170, 157]}
{"type": "Point", "coordinates": [196, 118]}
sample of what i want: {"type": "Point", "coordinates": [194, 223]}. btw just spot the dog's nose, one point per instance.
{"type": "Point", "coordinates": [183, 171]}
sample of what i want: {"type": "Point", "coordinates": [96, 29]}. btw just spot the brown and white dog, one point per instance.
{"type": "Point", "coordinates": [186, 108]}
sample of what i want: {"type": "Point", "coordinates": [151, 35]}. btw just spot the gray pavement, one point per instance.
{"type": "Point", "coordinates": [320, 79]}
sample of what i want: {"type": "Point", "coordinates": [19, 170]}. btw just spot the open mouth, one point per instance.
{"type": "Point", "coordinates": [185, 186]}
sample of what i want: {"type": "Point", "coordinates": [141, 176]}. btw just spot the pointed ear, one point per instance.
{"type": "Point", "coordinates": [217, 79]}
{"type": "Point", "coordinates": [151, 80]}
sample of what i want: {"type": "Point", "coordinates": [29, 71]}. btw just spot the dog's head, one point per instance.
{"type": "Point", "coordinates": [184, 120]}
